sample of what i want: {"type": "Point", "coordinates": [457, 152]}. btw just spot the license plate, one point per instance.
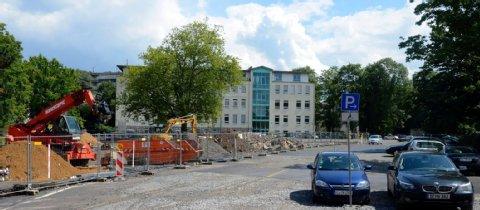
{"type": "Point", "coordinates": [341, 192]}
{"type": "Point", "coordinates": [462, 167]}
{"type": "Point", "coordinates": [438, 196]}
{"type": "Point", "coordinates": [466, 159]}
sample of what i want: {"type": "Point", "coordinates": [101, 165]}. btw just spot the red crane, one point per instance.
{"type": "Point", "coordinates": [50, 126]}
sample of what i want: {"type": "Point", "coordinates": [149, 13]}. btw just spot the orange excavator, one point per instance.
{"type": "Point", "coordinates": [163, 149]}
{"type": "Point", "coordinates": [51, 126]}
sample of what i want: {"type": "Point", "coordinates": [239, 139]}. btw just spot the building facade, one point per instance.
{"type": "Point", "coordinates": [268, 101]}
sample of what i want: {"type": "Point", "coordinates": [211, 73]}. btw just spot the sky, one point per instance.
{"type": "Point", "coordinates": [97, 35]}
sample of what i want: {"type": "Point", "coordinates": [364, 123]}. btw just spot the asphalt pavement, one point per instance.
{"type": "Point", "coordinates": [279, 181]}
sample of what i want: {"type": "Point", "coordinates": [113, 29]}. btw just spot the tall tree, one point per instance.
{"type": "Point", "coordinates": [50, 81]}
{"type": "Point", "coordinates": [384, 88]}
{"type": "Point", "coordinates": [187, 74]}
{"type": "Point", "coordinates": [451, 69]}
{"type": "Point", "coordinates": [10, 48]}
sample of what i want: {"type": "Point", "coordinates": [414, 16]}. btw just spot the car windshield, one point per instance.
{"type": "Point", "coordinates": [430, 145]}
{"type": "Point", "coordinates": [425, 162]}
{"type": "Point", "coordinates": [337, 162]}
{"type": "Point", "coordinates": [375, 136]}
{"type": "Point", "coordinates": [460, 150]}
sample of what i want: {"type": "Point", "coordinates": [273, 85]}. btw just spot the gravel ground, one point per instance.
{"type": "Point", "coordinates": [272, 182]}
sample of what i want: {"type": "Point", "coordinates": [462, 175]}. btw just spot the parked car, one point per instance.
{"type": "Point", "coordinates": [402, 138]}
{"type": "Point", "coordinates": [330, 178]}
{"type": "Point", "coordinates": [427, 145]}
{"type": "Point", "coordinates": [392, 150]}
{"type": "Point", "coordinates": [418, 177]}
{"type": "Point", "coordinates": [375, 139]}
{"type": "Point", "coordinates": [467, 159]}
{"type": "Point", "coordinates": [390, 137]}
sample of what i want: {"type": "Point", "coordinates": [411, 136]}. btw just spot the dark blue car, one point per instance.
{"type": "Point", "coordinates": [330, 178]}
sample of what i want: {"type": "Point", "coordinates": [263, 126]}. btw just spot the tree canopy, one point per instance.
{"type": "Point", "coordinates": [448, 85]}
{"type": "Point", "coordinates": [188, 73]}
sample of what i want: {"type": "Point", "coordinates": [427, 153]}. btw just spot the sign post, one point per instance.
{"type": "Point", "coordinates": [350, 102]}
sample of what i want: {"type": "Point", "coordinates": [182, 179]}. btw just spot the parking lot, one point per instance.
{"type": "Point", "coordinates": [275, 181]}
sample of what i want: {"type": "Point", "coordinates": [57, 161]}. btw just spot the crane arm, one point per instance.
{"type": "Point", "coordinates": [192, 119]}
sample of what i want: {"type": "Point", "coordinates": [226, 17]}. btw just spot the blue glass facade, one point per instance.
{"type": "Point", "coordinates": [261, 99]}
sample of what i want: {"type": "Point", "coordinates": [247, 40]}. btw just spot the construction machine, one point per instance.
{"type": "Point", "coordinates": [51, 126]}
{"type": "Point", "coordinates": [163, 149]}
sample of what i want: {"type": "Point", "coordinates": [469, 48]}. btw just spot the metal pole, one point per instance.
{"type": "Point", "coordinates": [133, 154]}
{"type": "Point", "coordinates": [235, 146]}
{"type": "Point", "coordinates": [29, 163]}
{"type": "Point", "coordinates": [349, 162]}
{"type": "Point", "coordinates": [148, 152]}
{"type": "Point", "coordinates": [48, 161]}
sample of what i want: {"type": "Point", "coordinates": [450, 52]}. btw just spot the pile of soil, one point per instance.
{"type": "Point", "coordinates": [87, 138]}
{"type": "Point", "coordinates": [255, 142]}
{"type": "Point", "coordinates": [14, 156]}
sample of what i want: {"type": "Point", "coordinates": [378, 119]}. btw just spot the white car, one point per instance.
{"type": "Point", "coordinates": [427, 145]}
{"type": "Point", "coordinates": [375, 139]}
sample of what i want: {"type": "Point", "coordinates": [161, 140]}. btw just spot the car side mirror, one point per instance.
{"type": "Point", "coordinates": [368, 167]}
{"type": "Point", "coordinates": [391, 168]}
{"type": "Point", "coordinates": [310, 166]}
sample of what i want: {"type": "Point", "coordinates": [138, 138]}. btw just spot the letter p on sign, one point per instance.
{"type": "Point", "coordinates": [350, 102]}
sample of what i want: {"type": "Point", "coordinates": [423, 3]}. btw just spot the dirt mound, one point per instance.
{"type": "Point", "coordinates": [14, 156]}
{"type": "Point", "coordinates": [255, 142]}
{"type": "Point", "coordinates": [87, 138]}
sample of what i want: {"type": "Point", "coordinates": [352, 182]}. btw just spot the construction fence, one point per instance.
{"type": "Point", "coordinates": [32, 160]}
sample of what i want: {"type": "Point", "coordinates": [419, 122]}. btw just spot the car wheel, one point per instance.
{"type": "Point", "coordinates": [366, 201]}
{"type": "Point", "coordinates": [315, 199]}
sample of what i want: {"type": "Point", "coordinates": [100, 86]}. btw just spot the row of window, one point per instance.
{"type": "Point", "coordinates": [291, 90]}
{"type": "Point", "coordinates": [226, 119]}
{"type": "Point", "coordinates": [298, 104]}
{"type": "Point", "coordinates": [278, 77]}
{"type": "Point", "coordinates": [239, 89]}
{"type": "Point", "coordinates": [243, 103]}
{"type": "Point", "coordinates": [298, 119]}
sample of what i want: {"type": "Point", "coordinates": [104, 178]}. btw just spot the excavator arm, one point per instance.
{"type": "Point", "coordinates": [191, 118]}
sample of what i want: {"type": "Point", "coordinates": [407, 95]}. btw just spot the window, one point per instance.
{"type": "Point", "coordinates": [277, 104]}
{"type": "Point", "coordinates": [225, 118]}
{"type": "Point", "coordinates": [307, 119]}
{"type": "Point", "coordinates": [227, 103]}
{"type": "Point", "coordinates": [299, 120]}
{"type": "Point", "coordinates": [292, 89]}
{"type": "Point", "coordinates": [307, 104]}
{"type": "Point", "coordinates": [278, 76]}
{"type": "Point", "coordinates": [285, 89]}
{"type": "Point", "coordinates": [277, 89]}
{"type": "Point", "coordinates": [277, 119]}
{"type": "Point", "coordinates": [307, 89]}
{"type": "Point", "coordinates": [285, 118]}
{"type": "Point", "coordinates": [244, 103]}
{"type": "Point", "coordinates": [235, 103]}
{"type": "Point", "coordinates": [285, 104]}
{"type": "Point", "coordinates": [296, 77]}
{"type": "Point", "coordinates": [299, 89]}
{"type": "Point", "coordinates": [299, 104]}
{"type": "Point", "coordinates": [234, 89]}
{"type": "Point", "coordinates": [234, 119]}
{"type": "Point", "coordinates": [244, 88]}
{"type": "Point", "coordinates": [242, 118]}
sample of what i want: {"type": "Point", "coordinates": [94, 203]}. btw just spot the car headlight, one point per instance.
{"type": "Point", "coordinates": [321, 183]}
{"type": "Point", "coordinates": [406, 185]}
{"type": "Point", "coordinates": [465, 188]}
{"type": "Point", "coordinates": [363, 185]}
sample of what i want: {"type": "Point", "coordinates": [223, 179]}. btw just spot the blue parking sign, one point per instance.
{"type": "Point", "coordinates": [350, 102]}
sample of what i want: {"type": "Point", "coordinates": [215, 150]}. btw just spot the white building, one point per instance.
{"type": "Point", "coordinates": [268, 101]}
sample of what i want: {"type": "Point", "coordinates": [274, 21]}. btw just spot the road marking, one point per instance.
{"type": "Point", "coordinates": [275, 173]}
{"type": "Point", "coordinates": [53, 193]}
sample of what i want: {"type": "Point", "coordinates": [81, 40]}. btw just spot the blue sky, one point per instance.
{"type": "Point", "coordinates": [99, 34]}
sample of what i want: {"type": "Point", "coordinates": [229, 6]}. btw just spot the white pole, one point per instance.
{"type": "Point", "coordinates": [48, 162]}
{"type": "Point", "coordinates": [133, 155]}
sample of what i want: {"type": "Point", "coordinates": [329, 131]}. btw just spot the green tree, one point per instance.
{"type": "Point", "coordinates": [384, 89]}
{"type": "Point", "coordinates": [451, 65]}
{"type": "Point", "coordinates": [10, 48]}
{"type": "Point", "coordinates": [188, 73]}
{"type": "Point", "coordinates": [50, 81]}
{"type": "Point", "coordinates": [332, 83]}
